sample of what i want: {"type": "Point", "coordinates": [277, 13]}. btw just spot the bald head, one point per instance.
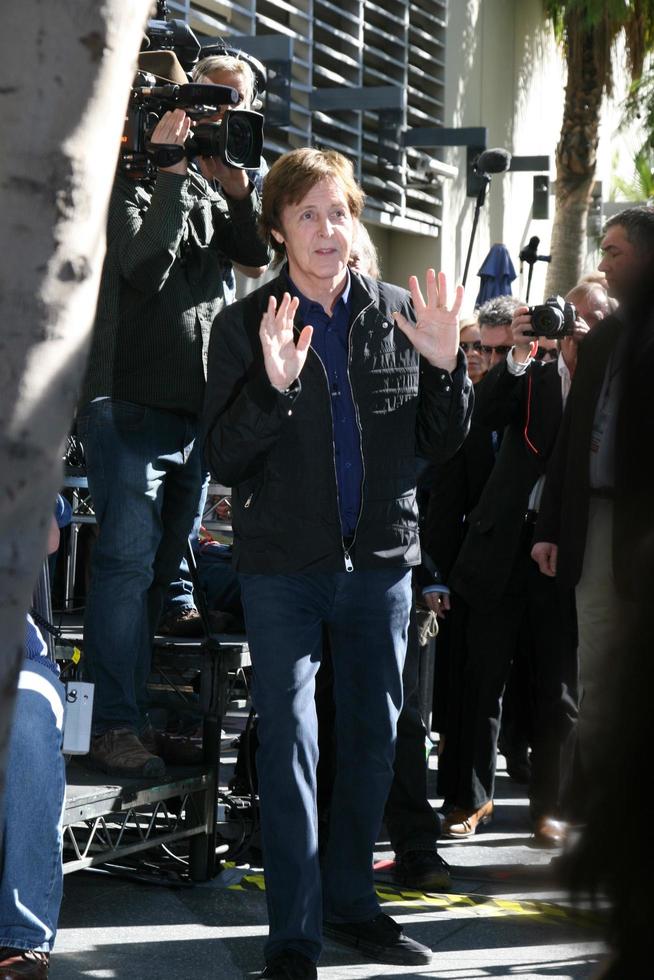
{"type": "Point", "coordinates": [591, 300]}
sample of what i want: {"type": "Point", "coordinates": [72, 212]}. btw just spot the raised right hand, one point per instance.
{"type": "Point", "coordinates": [283, 359]}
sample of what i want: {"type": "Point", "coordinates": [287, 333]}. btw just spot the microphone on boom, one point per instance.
{"type": "Point", "coordinates": [495, 161]}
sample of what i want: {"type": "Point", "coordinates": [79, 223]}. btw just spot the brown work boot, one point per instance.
{"type": "Point", "coordinates": [175, 750]}
{"type": "Point", "coordinates": [119, 752]}
{"type": "Point", "coordinates": [20, 963]}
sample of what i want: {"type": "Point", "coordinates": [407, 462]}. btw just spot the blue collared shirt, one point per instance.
{"type": "Point", "coordinates": [330, 342]}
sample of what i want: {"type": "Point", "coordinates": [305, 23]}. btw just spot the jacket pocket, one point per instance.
{"type": "Point", "coordinates": [248, 498]}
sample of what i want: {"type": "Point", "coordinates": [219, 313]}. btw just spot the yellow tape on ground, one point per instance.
{"type": "Point", "coordinates": [476, 905]}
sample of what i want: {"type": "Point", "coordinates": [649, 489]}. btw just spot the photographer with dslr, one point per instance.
{"type": "Point", "coordinates": [511, 604]}
{"type": "Point", "coordinates": [170, 238]}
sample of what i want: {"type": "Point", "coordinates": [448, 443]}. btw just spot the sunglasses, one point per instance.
{"type": "Point", "coordinates": [544, 354]}
{"type": "Point", "coordinates": [501, 349]}
{"type": "Point", "coordinates": [467, 345]}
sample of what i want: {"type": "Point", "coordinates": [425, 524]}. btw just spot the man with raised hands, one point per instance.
{"type": "Point", "coordinates": [324, 386]}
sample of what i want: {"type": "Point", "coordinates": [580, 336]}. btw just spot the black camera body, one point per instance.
{"type": "Point", "coordinates": [237, 140]}
{"type": "Point", "coordinates": [555, 318]}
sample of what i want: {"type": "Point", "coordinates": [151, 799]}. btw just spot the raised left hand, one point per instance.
{"type": "Point", "coordinates": [436, 331]}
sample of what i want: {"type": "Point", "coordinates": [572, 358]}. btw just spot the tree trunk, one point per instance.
{"type": "Point", "coordinates": [576, 157]}
{"type": "Point", "coordinates": [65, 75]}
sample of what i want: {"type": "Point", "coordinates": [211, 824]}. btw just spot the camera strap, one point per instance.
{"type": "Point", "coordinates": [165, 154]}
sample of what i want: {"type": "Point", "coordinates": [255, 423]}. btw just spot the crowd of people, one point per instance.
{"type": "Point", "coordinates": [386, 460]}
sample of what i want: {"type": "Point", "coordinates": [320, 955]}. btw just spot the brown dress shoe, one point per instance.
{"type": "Point", "coordinates": [464, 823]}
{"type": "Point", "coordinates": [175, 750]}
{"type": "Point", "coordinates": [119, 752]}
{"type": "Point", "coordinates": [17, 963]}
{"type": "Point", "coordinates": [550, 832]}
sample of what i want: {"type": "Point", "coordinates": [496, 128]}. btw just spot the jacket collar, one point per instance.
{"type": "Point", "coordinates": [363, 291]}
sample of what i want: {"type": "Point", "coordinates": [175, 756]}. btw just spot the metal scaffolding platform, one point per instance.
{"type": "Point", "coordinates": [108, 820]}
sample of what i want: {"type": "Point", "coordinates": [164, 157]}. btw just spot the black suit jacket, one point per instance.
{"type": "Point", "coordinates": [563, 517]}
{"type": "Point", "coordinates": [564, 512]}
{"type": "Point", "coordinates": [529, 409]}
{"type": "Point", "coordinates": [448, 492]}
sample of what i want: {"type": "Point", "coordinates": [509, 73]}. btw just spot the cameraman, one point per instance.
{"type": "Point", "coordinates": [180, 616]}
{"type": "Point", "coordinates": [169, 242]}
{"type": "Point", "coordinates": [510, 603]}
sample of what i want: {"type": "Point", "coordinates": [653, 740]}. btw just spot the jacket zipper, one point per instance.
{"type": "Point", "coordinates": [349, 567]}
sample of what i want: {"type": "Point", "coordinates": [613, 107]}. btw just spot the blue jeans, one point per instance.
{"type": "Point", "coordinates": [180, 591]}
{"type": "Point", "coordinates": [215, 573]}
{"type": "Point", "coordinates": [31, 876]}
{"type": "Point", "coordinates": [367, 614]}
{"type": "Point", "coordinates": [144, 473]}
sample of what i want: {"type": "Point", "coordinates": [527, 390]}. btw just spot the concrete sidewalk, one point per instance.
{"type": "Point", "coordinates": [506, 918]}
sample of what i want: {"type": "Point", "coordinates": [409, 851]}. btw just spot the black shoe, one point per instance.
{"type": "Point", "coordinates": [290, 965]}
{"type": "Point", "coordinates": [424, 870]}
{"type": "Point", "coordinates": [380, 939]}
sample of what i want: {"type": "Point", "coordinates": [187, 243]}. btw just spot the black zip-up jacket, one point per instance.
{"type": "Point", "coordinates": [276, 450]}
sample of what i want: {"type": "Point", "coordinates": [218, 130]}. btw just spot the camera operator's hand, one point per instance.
{"type": "Point", "coordinates": [524, 343]}
{"type": "Point", "coordinates": [234, 182]}
{"type": "Point", "coordinates": [283, 359]}
{"type": "Point", "coordinates": [173, 128]}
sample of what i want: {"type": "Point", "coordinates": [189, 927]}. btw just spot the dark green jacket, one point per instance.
{"type": "Point", "coordinates": [168, 251]}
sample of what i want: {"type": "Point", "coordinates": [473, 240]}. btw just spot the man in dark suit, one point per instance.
{"type": "Point", "coordinates": [447, 493]}
{"type": "Point", "coordinates": [509, 601]}
{"type": "Point", "coordinates": [589, 529]}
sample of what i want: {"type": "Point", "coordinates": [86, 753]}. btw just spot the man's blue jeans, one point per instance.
{"type": "Point", "coordinates": [179, 596]}
{"type": "Point", "coordinates": [31, 876]}
{"type": "Point", "coordinates": [215, 573]}
{"type": "Point", "coordinates": [367, 614]}
{"type": "Point", "coordinates": [144, 474]}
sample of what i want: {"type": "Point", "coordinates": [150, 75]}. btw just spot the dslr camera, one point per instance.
{"type": "Point", "coordinates": [555, 318]}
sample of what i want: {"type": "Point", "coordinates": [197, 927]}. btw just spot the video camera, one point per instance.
{"type": "Point", "coordinates": [171, 49]}
{"type": "Point", "coordinates": [555, 318]}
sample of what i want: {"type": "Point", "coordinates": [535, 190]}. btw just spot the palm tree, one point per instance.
{"type": "Point", "coordinates": [588, 30]}
{"type": "Point", "coordinates": [641, 185]}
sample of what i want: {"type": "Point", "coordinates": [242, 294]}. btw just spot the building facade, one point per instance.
{"type": "Point", "coordinates": [362, 76]}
